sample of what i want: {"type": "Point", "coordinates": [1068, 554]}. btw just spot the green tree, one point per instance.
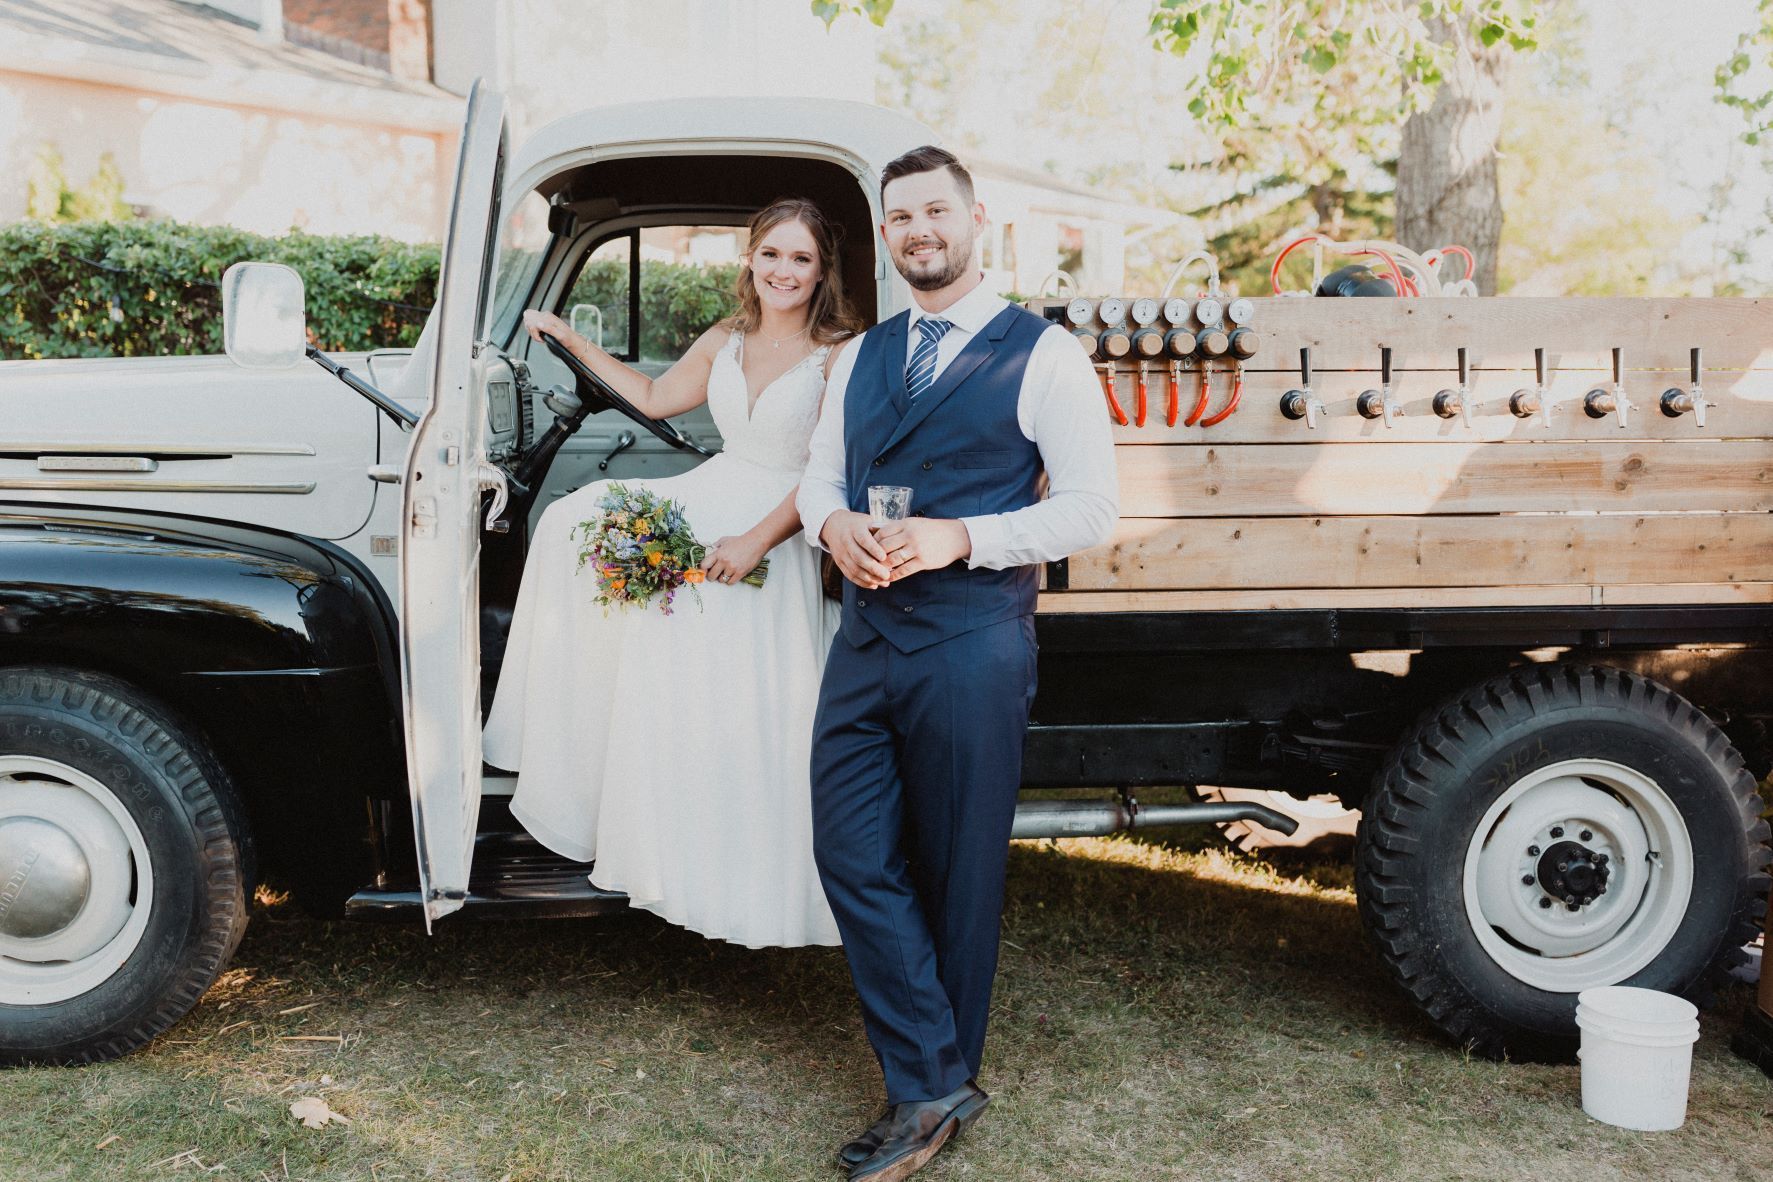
{"type": "Point", "coordinates": [1298, 92]}
{"type": "Point", "coordinates": [50, 198]}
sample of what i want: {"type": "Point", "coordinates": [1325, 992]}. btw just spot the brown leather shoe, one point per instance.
{"type": "Point", "coordinates": [918, 1131]}
{"type": "Point", "coordinates": [861, 1147]}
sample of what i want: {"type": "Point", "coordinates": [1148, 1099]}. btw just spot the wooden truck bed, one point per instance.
{"type": "Point", "coordinates": [1263, 512]}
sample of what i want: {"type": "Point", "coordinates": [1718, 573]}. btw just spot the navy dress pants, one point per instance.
{"type": "Point", "coordinates": [917, 759]}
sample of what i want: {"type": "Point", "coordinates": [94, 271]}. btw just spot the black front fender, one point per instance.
{"type": "Point", "coordinates": [279, 650]}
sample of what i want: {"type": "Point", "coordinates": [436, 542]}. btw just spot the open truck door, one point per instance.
{"type": "Point", "coordinates": [447, 474]}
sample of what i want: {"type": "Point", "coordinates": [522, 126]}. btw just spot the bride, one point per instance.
{"type": "Point", "coordinates": [672, 751]}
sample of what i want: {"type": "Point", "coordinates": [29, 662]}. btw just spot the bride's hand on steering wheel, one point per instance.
{"type": "Point", "coordinates": [536, 322]}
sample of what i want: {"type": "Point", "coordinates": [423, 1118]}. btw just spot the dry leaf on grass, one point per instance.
{"type": "Point", "coordinates": [313, 1112]}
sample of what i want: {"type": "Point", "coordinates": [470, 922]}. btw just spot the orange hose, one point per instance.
{"type": "Point", "coordinates": [1114, 407]}
{"type": "Point", "coordinates": [1237, 394]}
{"type": "Point", "coordinates": [1200, 404]}
{"type": "Point", "coordinates": [1139, 400]}
{"type": "Point", "coordinates": [1175, 407]}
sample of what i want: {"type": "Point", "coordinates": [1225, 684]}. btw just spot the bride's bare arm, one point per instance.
{"type": "Point", "coordinates": [682, 387]}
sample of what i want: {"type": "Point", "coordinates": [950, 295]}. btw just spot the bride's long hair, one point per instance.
{"type": "Point", "coordinates": [829, 313]}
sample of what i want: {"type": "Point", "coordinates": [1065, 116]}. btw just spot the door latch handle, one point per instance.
{"type": "Point", "coordinates": [490, 479]}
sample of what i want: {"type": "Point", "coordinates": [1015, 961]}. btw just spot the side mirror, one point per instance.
{"type": "Point", "coordinates": [587, 321]}
{"type": "Point", "coordinates": [263, 323]}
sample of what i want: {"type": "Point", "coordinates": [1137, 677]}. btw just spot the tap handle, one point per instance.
{"type": "Point", "coordinates": [1694, 366]}
{"type": "Point", "coordinates": [1464, 367]}
{"type": "Point", "coordinates": [1618, 366]}
{"type": "Point", "coordinates": [1385, 365]}
{"type": "Point", "coordinates": [1539, 367]}
{"type": "Point", "coordinates": [1305, 366]}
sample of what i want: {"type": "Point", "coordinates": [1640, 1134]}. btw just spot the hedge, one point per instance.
{"type": "Point", "coordinates": [151, 288]}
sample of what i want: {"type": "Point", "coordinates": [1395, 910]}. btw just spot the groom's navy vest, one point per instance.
{"type": "Point", "coordinates": [961, 450]}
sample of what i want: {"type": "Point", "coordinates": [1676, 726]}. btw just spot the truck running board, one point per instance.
{"type": "Point", "coordinates": [516, 877]}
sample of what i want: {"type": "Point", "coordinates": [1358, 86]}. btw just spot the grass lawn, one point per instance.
{"type": "Point", "coordinates": [1162, 1012]}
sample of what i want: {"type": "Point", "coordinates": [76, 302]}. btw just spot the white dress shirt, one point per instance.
{"type": "Point", "coordinates": [1060, 409]}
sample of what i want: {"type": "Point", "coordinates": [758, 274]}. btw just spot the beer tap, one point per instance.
{"type": "Point", "coordinates": [1377, 404]}
{"type": "Point", "coordinates": [1302, 403]}
{"type": "Point", "coordinates": [1677, 402]}
{"type": "Point", "coordinates": [1601, 402]}
{"type": "Point", "coordinates": [1524, 403]}
{"type": "Point", "coordinates": [1457, 402]}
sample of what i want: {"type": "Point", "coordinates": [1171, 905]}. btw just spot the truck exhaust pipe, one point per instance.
{"type": "Point", "coordinates": [1096, 818]}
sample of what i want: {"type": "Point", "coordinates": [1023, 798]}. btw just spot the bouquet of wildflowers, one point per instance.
{"type": "Point", "coordinates": [642, 549]}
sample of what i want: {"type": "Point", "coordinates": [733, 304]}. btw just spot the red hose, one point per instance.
{"type": "Point", "coordinates": [1200, 405]}
{"type": "Point", "coordinates": [1237, 393]}
{"type": "Point", "coordinates": [1114, 407]}
{"type": "Point", "coordinates": [1470, 262]}
{"type": "Point", "coordinates": [1175, 407]}
{"type": "Point", "coordinates": [1399, 284]}
{"type": "Point", "coordinates": [1139, 400]}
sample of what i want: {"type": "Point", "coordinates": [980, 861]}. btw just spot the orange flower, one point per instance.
{"type": "Point", "coordinates": [694, 575]}
{"type": "Point", "coordinates": [655, 558]}
{"type": "Point", "coordinates": [617, 584]}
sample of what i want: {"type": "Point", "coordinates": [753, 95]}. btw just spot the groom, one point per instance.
{"type": "Point", "coordinates": [974, 404]}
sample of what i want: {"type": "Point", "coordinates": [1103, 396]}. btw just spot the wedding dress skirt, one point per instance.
{"type": "Point", "coordinates": [672, 751]}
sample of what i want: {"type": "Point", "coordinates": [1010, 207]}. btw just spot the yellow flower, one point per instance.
{"type": "Point", "coordinates": [655, 558]}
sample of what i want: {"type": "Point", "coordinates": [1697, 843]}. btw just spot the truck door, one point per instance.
{"type": "Point", "coordinates": [446, 476]}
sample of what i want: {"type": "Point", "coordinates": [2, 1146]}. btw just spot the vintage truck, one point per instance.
{"type": "Point", "coordinates": [249, 616]}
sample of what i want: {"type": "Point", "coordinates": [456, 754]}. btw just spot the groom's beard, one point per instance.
{"type": "Point", "coordinates": [935, 272]}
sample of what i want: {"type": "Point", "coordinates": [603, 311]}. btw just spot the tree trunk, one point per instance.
{"type": "Point", "coordinates": [1447, 190]}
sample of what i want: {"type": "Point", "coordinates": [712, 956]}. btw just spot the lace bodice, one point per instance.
{"type": "Point", "coordinates": [778, 431]}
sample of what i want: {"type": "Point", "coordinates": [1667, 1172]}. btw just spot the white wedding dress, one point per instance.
{"type": "Point", "coordinates": [672, 751]}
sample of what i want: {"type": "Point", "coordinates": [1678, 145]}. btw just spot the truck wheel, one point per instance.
{"type": "Point", "coordinates": [124, 868]}
{"type": "Point", "coordinates": [1535, 837]}
{"type": "Point", "coordinates": [1326, 825]}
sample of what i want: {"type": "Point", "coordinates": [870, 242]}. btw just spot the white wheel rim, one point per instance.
{"type": "Point", "coordinates": [76, 884]}
{"type": "Point", "coordinates": [1605, 940]}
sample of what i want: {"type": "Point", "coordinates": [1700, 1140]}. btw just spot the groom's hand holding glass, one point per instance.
{"type": "Point", "coordinates": [922, 543]}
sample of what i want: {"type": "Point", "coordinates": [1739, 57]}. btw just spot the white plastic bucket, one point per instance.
{"type": "Point", "coordinates": [1637, 1056]}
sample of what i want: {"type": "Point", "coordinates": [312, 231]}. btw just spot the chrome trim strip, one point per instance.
{"type": "Point", "coordinates": [82, 447]}
{"type": "Point", "coordinates": [114, 484]}
{"type": "Point", "coordinates": [97, 464]}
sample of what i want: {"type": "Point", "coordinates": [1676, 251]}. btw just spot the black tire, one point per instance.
{"type": "Point", "coordinates": [1439, 782]}
{"type": "Point", "coordinates": [180, 799]}
{"type": "Point", "coordinates": [1326, 829]}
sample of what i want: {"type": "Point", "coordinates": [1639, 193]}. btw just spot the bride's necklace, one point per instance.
{"type": "Point", "coordinates": [776, 343]}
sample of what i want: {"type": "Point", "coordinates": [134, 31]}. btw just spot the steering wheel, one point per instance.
{"type": "Point", "coordinates": [599, 396]}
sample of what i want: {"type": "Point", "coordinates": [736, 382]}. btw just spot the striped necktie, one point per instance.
{"type": "Point", "coordinates": [922, 370]}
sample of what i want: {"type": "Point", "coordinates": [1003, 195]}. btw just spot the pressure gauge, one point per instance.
{"type": "Point", "coordinates": [1144, 311]}
{"type": "Point", "coordinates": [1112, 311]}
{"type": "Point", "coordinates": [1240, 311]}
{"type": "Point", "coordinates": [1209, 312]}
{"type": "Point", "coordinates": [1079, 312]}
{"type": "Point", "coordinates": [1176, 310]}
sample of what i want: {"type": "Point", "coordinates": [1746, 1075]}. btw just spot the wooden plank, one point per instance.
{"type": "Point", "coordinates": [1349, 552]}
{"type": "Point", "coordinates": [1744, 409]}
{"type": "Point", "coordinates": [1269, 480]}
{"type": "Point", "coordinates": [1501, 332]}
{"type": "Point", "coordinates": [1201, 601]}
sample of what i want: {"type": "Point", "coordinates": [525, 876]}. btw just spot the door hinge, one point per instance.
{"type": "Point", "coordinates": [424, 517]}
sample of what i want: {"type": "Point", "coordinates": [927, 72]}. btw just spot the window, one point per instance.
{"type": "Point", "coordinates": [599, 304]}
{"type": "Point", "coordinates": [686, 283]}
{"type": "Point", "coordinates": [523, 239]}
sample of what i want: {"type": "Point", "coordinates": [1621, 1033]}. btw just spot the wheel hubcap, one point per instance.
{"type": "Point", "coordinates": [76, 885]}
{"type": "Point", "coordinates": [44, 878]}
{"type": "Point", "coordinates": [1578, 875]}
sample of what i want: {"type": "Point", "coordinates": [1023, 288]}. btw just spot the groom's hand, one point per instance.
{"type": "Point", "coordinates": [849, 537]}
{"type": "Point", "coordinates": [923, 543]}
